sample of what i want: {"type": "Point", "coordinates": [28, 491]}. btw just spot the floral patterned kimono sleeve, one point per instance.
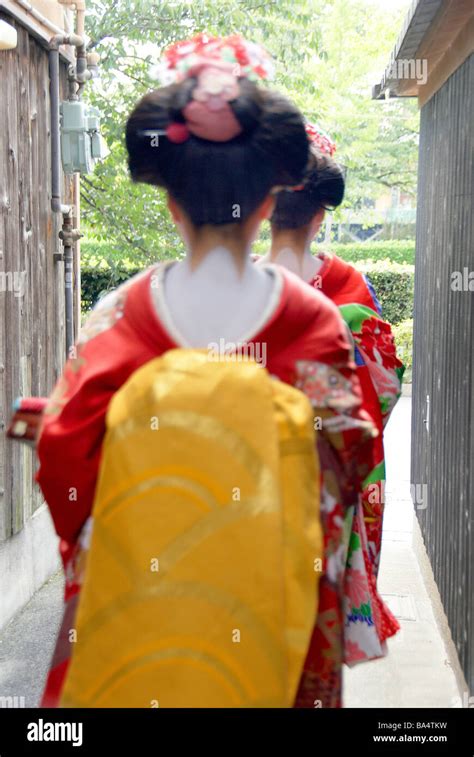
{"type": "Point", "coordinates": [346, 439]}
{"type": "Point", "coordinates": [376, 346]}
{"type": "Point", "coordinates": [363, 608]}
{"type": "Point", "coordinates": [336, 397]}
{"type": "Point", "coordinates": [369, 621]}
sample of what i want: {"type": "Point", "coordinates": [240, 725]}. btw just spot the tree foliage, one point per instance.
{"type": "Point", "coordinates": [327, 53]}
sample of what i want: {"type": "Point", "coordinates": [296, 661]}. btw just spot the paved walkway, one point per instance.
{"type": "Point", "coordinates": [416, 673]}
{"type": "Point", "coordinates": [27, 643]}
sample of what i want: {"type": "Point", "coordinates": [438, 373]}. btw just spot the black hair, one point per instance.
{"type": "Point", "coordinates": [323, 188]}
{"type": "Point", "coordinates": [219, 182]}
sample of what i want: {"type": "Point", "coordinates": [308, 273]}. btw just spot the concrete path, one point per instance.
{"type": "Point", "coordinates": [416, 673]}
{"type": "Point", "coordinates": [27, 644]}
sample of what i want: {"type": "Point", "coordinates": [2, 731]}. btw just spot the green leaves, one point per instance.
{"type": "Point", "coordinates": [394, 285]}
{"type": "Point", "coordinates": [403, 335]}
{"type": "Point", "coordinates": [328, 54]}
{"type": "Point", "coordinates": [395, 251]}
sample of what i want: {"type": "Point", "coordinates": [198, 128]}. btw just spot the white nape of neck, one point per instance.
{"type": "Point", "coordinates": [304, 265]}
{"type": "Point", "coordinates": [216, 300]}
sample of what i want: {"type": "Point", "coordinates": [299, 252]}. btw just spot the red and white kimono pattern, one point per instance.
{"type": "Point", "coordinates": [305, 334]}
{"type": "Point", "coordinates": [368, 621]}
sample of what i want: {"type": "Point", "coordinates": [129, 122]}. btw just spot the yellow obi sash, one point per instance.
{"type": "Point", "coordinates": [201, 582]}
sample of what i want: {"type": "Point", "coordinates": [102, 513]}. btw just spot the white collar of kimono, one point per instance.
{"type": "Point", "coordinates": [215, 301]}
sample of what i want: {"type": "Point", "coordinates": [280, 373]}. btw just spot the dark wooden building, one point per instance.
{"type": "Point", "coordinates": [438, 37]}
{"type": "Point", "coordinates": [31, 292]}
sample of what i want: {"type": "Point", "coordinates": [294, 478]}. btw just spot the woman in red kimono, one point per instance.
{"type": "Point", "coordinates": [219, 145]}
{"type": "Point", "coordinates": [295, 222]}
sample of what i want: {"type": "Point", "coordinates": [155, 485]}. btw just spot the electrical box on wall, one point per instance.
{"type": "Point", "coordinates": [81, 142]}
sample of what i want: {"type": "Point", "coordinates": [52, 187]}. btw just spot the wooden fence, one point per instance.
{"type": "Point", "coordinates": [31, 283]}
{"type": "Point", "coordinates": [443, 375]}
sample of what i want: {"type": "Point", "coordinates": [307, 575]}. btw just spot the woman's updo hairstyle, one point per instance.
{"type": "Point", "coordinates": [323, 186]}
{"type": "Point", "coordinates": [217, 180]}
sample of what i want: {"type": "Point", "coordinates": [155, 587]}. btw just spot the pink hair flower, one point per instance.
{"type": "Point", "coordinates": [216, 87]}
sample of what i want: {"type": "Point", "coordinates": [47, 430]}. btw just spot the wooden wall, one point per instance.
{"type": "Point", "coordinates": [443, 436]}
{"type": "Point", "coordinates": [31, 326]}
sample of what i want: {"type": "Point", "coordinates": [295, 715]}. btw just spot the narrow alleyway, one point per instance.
{"type": "Point", "coordinates": [416, 673]}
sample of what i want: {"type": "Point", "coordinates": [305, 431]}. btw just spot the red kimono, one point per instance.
{"type": "Point", "coordinates": [307, 346]}
{"type": "Point", "coordinates": [368, 621]}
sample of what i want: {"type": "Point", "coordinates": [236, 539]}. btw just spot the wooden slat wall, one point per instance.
{"type": "Point", "coordinates": [31, 327]}
{"type": "Point", "coordinates": [443, 454]}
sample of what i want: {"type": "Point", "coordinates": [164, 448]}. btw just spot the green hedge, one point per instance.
{"type": "Point", "coordinates": [392, 282]}
{"type": "Point", "coordinates": [97, 281]}
{"type": "Point", "coordinates": [396, 251]}
{"type": "Point", "coordinates": [394, 285]}
{"type": "Point", "coordinates": [403, 333]}
{"type": "Point", "coordinates": [102, 252]}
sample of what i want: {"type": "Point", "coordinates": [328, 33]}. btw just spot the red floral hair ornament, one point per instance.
{"type": "Point", "coordinates": [217, 63]}
{"type": "Point", "coordinates": [246, 58]}
{"type": "Point", "coordinates": [320, 140]}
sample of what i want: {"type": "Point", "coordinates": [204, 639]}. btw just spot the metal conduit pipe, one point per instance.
{"type": "Point", "coordinates": [59, 39]}
{"type": "Point", "coordinates": [82, 72]}
{"type": "Point", "coordinates": [68, 234]}
{"type": "Point", "coordinates": [56, 184]}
